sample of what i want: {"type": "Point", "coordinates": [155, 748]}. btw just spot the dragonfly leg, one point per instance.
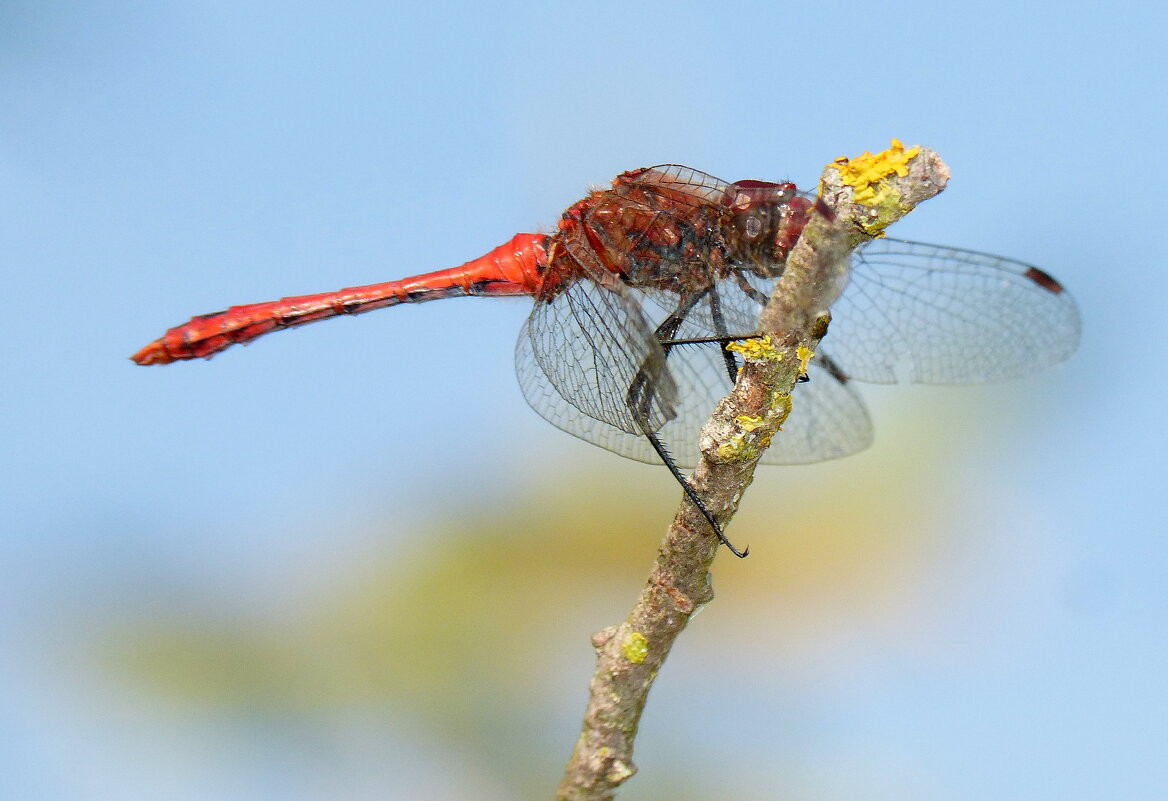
{"type": "Point", "coordinates": [722, 337]}
{"type": "Point", "coordinates": [663, 452]}
{"type": "Point", "coordinates": [720, 328]}
{"type": "Point", "coordinates": [640, 397]}
{"type": "Point", "coordinates": [668, 329]}
{"type": "Point", "coordinates": [750, 291]}
{"type": "Point", "coordinates": [670, 324]}
{"type": "Point", "coordinates": [724, 342]}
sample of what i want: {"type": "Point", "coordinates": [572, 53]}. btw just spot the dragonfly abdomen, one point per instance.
{"type": "Point", "coordinates": [510, 269]}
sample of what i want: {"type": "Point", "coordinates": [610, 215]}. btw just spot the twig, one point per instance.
{"type": "Point", "coordinates": [866, 194]}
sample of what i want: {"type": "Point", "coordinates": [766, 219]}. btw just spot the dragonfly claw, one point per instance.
{"type": "Point", "coordinates": [740, 554]}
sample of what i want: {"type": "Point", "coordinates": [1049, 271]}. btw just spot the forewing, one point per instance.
{"type": "Point", "coordinates": [938, 315]}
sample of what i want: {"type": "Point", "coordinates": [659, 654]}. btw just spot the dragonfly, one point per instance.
{"type": "Point", "coordinates": [643, 285]}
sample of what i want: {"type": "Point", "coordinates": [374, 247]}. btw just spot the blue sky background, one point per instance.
{"type": "Point", "coordinates": [974, 608]}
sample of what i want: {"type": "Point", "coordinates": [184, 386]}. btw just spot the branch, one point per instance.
{"type": "Point", "coordinates": [866, 194]}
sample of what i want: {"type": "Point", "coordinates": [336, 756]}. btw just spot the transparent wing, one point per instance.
{"type": "Point", "coordinates": [912, 311]}
{"type": "Point", "coordinates": [676, 178]}
{"type": "Point", "coordinates": [827, 421]}
{"type": "Point", "coordinates": [925, 314]}
{"type": "Point", "coordinates": [827, 418]}
{"type": "Point", "coordinates": [580, 355]}
{"type": "Point", "coordinates": [939, 315]}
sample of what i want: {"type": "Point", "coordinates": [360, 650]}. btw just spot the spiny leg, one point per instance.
{"type": "Point", "coordinates": [640, 399]}
{"type": "Point", "coordinates": [720, 329]}
{"type": "Point", "coordinates": [663, 452]}
{"type": "Point", "coordinates": [722, 336]}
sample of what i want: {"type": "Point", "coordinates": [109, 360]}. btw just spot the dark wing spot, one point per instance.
{"type": "Point", "coordinates": [1044, 280]}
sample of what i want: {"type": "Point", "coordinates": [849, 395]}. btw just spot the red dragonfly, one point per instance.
{"type": "Point", "coordinates": [670, 257]}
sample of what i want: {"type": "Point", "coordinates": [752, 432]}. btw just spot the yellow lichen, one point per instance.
{"type": "Point", "coordinates": [747, 422]}
{"type": "Point", "coordinates": [781, 406]}
{"type": "Point", "coordinates": [746, 443]}
{"type": "Point", "coordinates": [867, 173]}
{"type": "Point", "coordinates": [756, 349]}
{"type": "Point", "coordinates": [731, 450]}
{"type": "Point", "coordinates": [755, 432]}
{"type": "Point", "coordinates": [804, 355]}
{"type": "Point", "coordinates": [635, 647]}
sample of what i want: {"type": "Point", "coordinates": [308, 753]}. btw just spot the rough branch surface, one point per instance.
{"type": "Point", "coordinates": [630, 655]}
